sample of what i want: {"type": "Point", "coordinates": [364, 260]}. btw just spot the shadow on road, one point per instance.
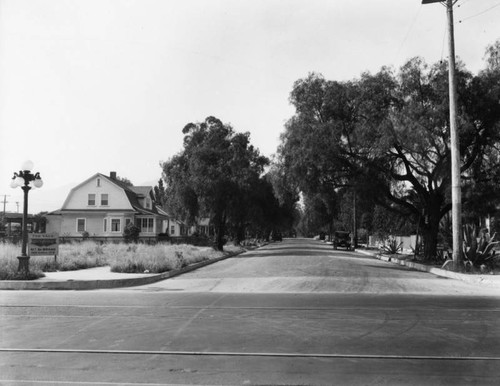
{"type": "Point", "coordinates": [295, 252]}
{"type": "Point", "coordinates": [326, 251]}
{"type": "Point", "coordinates": [295, 247]}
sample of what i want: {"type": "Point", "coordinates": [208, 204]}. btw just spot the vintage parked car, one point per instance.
{"type": "Point", "coordinates": [342, 239]}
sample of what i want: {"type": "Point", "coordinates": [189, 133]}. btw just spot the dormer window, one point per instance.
{"type": "Point", "coordinates": [148, 203]}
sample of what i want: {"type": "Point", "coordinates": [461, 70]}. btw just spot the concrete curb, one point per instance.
{"type": "Point", "coordinates": [79, 285]}
{"type": "Point", "coordinates": [472, 279]}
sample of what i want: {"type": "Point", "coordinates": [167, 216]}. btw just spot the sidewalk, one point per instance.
{"type": "Point", "coordinates": [98, 278]}
{"type": "Point", "coordinates": [483, 279]}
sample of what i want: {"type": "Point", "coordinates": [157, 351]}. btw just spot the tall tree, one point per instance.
{"type": "Point", "coordinates": [210, 176]}
{"type": "Point", "coordinates": [492, 56]}
{"type": "Point", "coordinates": [386, 136]}
{"type": "Point", "coordinates": [316, 216]}
{"type": "Point", "coordinates": [160, 194]}
{"type": "Point", "coordinates": [287, 193]}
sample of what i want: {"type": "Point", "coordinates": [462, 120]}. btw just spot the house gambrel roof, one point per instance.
{"type": "Point", "coordinates": [133, 194]}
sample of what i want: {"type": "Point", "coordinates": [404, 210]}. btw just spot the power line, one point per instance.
{"type": "Point", "coordinates": [409, 30]}
{"type": "Point", "coordinates": [442, 44]}
{"type": "Point", "coordinates": [480, 13]}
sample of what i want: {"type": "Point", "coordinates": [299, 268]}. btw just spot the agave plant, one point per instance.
{"type": "Point", "coordinates": [478, 249]}
{"type": "Point", "coordinates": [392, 247]}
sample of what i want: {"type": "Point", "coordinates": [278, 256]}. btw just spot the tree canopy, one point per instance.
{"type": "Point", "coordinates": [386, 136]}
{"type": "Point", "coordinates": [218, 175]}
{"type": "Point", "coordinates": [124, 180]}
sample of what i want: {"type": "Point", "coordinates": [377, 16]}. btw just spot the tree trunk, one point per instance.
{"type": "Point", "coordinates": [220, 230]}
{"type": "Point", "coordinates": [430, 231]}
{"type": "Point", "coordinates": [430, 243]}
{"type": "Point", "coordinates": [240, 234]}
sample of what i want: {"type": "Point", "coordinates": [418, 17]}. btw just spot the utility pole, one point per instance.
{"type": "Point", "coordinates": [4, 203]}
{"type": "Point", "coordinates": [456, 193]}
{"type": "Point", "coordinates": [2, 219]}
{"type": "Point", "coordinates": [354, 222]}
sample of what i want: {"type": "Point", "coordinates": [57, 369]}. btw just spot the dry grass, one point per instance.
{"type": "Point", "coordinates": [9, 264]}
{"type": "Point", "coordinates": [130, 258]}
{"type": "Point", "coordinates": [156, 259]}
{"type": "Point", "coordinates": [72, 257]}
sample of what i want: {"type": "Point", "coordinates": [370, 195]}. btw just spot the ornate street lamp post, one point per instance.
{"type": "Point", "coordinates": [26, 180]}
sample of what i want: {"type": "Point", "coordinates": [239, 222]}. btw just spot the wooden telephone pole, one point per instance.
{"type": "Point", "coordinates": [5, 202]}
{"type": "Point", "coordinates": [456, 193]}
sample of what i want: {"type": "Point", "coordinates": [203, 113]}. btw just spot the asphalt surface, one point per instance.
{"type": "Point", "coordinates": [305, 266]}
{"type": "Point", "coordinates": [293, 313]}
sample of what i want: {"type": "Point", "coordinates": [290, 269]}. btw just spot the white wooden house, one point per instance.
{"type": "Point", "coordinates": [102, 206]}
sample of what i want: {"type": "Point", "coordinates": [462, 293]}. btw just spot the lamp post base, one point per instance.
{"type": "Point", "coordinates": [24, 264]}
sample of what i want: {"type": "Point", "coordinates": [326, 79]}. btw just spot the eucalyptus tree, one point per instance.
{"type": "Point", "coordinates": [492, 56]}
{"type": "Point", "coordinates": [160, 194]}
{"type": "Point", "coordinates": [212, 175]}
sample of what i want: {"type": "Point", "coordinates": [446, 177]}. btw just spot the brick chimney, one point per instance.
{"type": "Point", "coordinates": [112, 175]}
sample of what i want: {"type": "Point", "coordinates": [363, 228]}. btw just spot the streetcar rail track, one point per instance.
{"type": "Point", "coordinates": [332, 308]}
{"type": "Point", "coordinates": [249, 354]}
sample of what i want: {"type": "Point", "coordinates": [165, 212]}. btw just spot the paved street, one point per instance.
{"type": "Point", "coordinates": [292, 313]}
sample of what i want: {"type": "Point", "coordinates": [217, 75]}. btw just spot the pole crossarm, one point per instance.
{"type": "Point", "coordinates": [438, 1]}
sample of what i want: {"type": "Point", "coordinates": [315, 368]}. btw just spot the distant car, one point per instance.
{"type": "Point", "coordinates": [342, 239]}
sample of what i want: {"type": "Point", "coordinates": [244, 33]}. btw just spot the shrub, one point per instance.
{"type": "Point", "coordinates": [391, 247]}
{"type": "Point", "coordinates": [478, 249]}
{"type": "Point", "coordinates": [131, 233]}
{"type": "Point", "coordinates": [163, 237]}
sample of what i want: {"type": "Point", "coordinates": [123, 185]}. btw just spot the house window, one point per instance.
{"type": "Point", "coordinates": [105, 227]}
{"type": "Point", "coordinates": [148, 203]}
{"type": "Point", "coordinates": [91, 199]}
{"type": "Point", "coordinates": [115, 225]}
{"type": "Point", "coordinates": [104, 199]}
{"type": "Point", "coordinates": [98, 183]}
{"type": "Point", "coordinates": [145, 224]}
{"type": "Point", "coordinates": [80, 225]}
{"type": "Point", "coordinates": [172, 230]}
{"type": "Point", "coordinates": [183, 230]}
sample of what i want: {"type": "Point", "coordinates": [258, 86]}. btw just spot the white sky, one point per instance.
{"type": "Point", "coordinates": [91, 86]}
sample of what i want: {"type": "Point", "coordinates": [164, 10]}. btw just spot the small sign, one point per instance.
{"type": "Point", "coordinates": [43, 244]}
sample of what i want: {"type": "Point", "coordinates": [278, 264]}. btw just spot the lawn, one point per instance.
{"type": "Point", "coordinates": [129, 258]}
